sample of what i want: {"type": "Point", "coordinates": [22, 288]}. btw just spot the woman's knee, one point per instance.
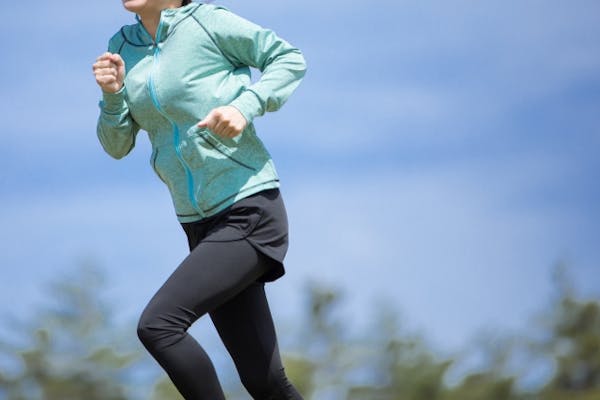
{"type": "Point", "coordinates": [158, 328]}
{"type": "Point", "coordinates": [148, 328]}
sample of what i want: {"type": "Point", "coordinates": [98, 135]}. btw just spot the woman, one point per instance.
{"type": "Point", "coordinates": [182, 75]}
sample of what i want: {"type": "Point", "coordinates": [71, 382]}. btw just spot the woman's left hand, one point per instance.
{"type": "Point", "coordinates": [225, 121]}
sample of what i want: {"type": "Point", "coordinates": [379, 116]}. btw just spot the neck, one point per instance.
{"type": "Point", "coordinates": [151, 18]}
{"type": "Point", "coordinates": [150, 22]}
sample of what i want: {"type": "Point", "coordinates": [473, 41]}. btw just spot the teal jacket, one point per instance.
{"type": "Point", "coordinates": [200, 60]}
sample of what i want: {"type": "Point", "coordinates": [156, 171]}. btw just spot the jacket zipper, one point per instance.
{"type": "Point", "coordinates": [176, 135]}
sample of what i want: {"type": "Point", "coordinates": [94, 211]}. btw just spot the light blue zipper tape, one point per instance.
{"type": "Point", "coordinates": [176, 135]}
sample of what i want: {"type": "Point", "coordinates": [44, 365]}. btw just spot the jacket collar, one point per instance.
{"type": "Point", "coordinates": [169, 19]}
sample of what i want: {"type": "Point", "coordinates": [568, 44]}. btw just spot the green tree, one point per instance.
{"type": "Point", "coordinates": [573, 344]}
{"type": "Point", "coordinates": [344, 364]}
{"type": "Point", "coordinates": [401, 366]}
{"type": "Point", "coordinates": [73, 350]}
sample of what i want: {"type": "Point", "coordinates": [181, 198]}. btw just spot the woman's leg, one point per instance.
{"type": "Point", "coordinates": [246, 328]}
{"type": "Point", "coordinates": [212, 274]}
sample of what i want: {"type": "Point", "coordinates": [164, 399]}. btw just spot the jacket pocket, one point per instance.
{"type": "Point", "coordinates": [200, 146]}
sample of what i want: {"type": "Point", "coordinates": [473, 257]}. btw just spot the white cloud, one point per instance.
{"type": "Point", "coordinates": [433, 74]}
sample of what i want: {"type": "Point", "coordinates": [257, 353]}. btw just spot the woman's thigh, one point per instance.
{"type": "Point", "coordinates": [210, 275]}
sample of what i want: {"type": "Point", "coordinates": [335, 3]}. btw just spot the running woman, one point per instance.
{"type": "Point", "coordinates": [182, 74]}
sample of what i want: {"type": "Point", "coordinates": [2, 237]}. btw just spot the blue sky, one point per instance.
{"type": "Point", "coordinates": [440, 156]}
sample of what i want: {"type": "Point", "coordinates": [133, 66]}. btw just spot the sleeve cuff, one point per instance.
{"type": "Point", "coordinates": [249, 105]}
{"type": "Point", "coordinates": [113, 102]}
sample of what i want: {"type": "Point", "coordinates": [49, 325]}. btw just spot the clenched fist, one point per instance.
{"type": "Point", "coordinates": [225, 121]}
{"type": "Point", "coordinates": [109, 70]}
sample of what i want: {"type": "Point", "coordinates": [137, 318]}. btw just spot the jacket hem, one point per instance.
{"type": "Point", "coordinates": [229, 201]}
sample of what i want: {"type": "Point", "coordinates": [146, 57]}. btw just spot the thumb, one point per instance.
{"type": "Point", "coordinates": [206, 122]}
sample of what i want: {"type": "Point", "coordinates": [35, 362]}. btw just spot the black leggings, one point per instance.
{"type": "Point", "coordinates": [222, 279]}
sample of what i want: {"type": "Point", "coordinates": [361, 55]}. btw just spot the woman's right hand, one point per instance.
{"type": "Point", "coordinates": [109, 70]}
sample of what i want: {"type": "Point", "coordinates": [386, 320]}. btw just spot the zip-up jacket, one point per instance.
{"type": "Point", "coordinates": [200, 59]}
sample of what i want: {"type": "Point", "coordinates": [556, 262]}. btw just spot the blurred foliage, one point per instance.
{"type": "Point", "coordinates": [574, 344]}
{"type": "Point", "coordinates": [72, 350]}
{"type": "Point", "coordinates": [165, 390]}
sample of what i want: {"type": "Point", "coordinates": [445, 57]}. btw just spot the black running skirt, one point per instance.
{"type": "Point", "coordinates": [261, 219]}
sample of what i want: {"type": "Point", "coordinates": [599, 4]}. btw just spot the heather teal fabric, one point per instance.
{"type": "Point", "coordinates": [200, 60]}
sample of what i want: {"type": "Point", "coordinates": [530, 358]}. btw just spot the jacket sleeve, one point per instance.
{"type": "Point", "coordinates": [247, 44]}
{"type": "Point", "coordinates": [116, 129]}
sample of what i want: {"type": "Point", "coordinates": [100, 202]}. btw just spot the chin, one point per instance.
{"type": "Point", "coordinates": [134, 5]}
